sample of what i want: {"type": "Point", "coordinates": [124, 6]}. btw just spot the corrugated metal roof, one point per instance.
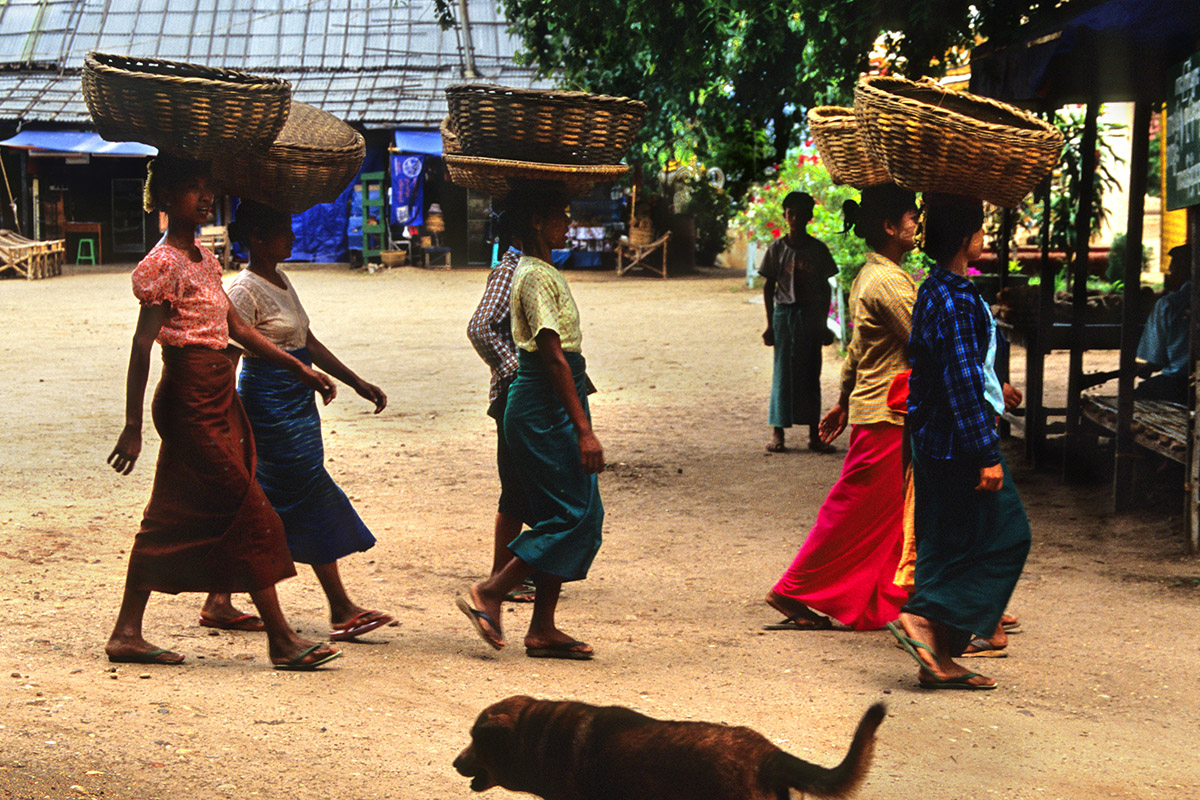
{"type": "Point", "coordinates": [383, 63]}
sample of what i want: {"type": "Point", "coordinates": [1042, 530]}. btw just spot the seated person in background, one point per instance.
{"type": "Point", "coordinates": [1164, 344]}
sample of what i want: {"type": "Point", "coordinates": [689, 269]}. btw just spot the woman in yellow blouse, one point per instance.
{"type": "Point", "coordinates": [549, 429]}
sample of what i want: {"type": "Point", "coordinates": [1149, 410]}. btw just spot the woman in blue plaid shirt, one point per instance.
{"type": "Point", "coordinates": [971, 530]}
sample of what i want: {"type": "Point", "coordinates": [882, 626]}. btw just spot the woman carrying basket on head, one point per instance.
{"type": "Point", "coordinates": [320, 523]}
{"type": "Point", "coordinates": [548, 428]}
{"type": "Point", "coordinates": [208, 526]}
{"type": "Point", "coordinates": [972, 535]}
{"type": "Point", "coordinates": [847, 565]}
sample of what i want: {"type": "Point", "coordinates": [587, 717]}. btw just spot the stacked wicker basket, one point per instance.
{"type": "Point", "coordinates": [262, 144]}
{"type": "Point", "coordinates": [927, 138]}
{"type": "Point", "coordinates": [496, 137]}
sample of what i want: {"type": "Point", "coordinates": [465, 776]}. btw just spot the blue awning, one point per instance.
{"type": "Point", "coordinates": [76, 142]}
{"type": "Point", "coordinates": [424, 142]}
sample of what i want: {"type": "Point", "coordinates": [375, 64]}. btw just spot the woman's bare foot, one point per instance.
{"type": "Point", "coordinates": [556, 644]}
{"type": "Point", "coordinates": [136, 650]}
{"type": "Point", "coordinates": [802, 617]}
{"type": "Point", "coordinates": [936, 664]}
{"type": "Point", "coordinates": [218, 609]}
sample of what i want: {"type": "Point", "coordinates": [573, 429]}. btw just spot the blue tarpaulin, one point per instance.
{"type": "Point", "coordinates": [76, 142]}
{"type": "Point", "coordinates": [423, 143]}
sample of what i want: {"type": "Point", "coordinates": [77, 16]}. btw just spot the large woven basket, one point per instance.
{"type": "Point", "coordinates": [184, 109]}
{"type": "Point", "coordinates": [843, 152]}
{"type": "Point", "coordinates": [497, 177]}
{"type": "Point", "coordinates": [548, 127]}
{"type": "Point", "coordinates": [930, 139]}
{"type": "Point", "coordinates": [312, 161]}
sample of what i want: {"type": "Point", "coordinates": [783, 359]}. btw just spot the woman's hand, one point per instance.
{"type": "Point", "coordinates": [769, 337]}
{"type": "Point", "coordinates": [129, 447]}
{"type": "Point", "coordinates": [833, 423]}
{"type": "Point", "coordinates": [371, 393]}
{"type": "Point", "coordinates": [990, 478]}
{"type": "Point", "coordinates": [320, 383]}
{"type": "Point", "coordinates": [591, 454]}
{"type": "Point", "coordinates": [1012, 396]}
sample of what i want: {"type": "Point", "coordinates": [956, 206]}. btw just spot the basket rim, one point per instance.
{"type": "Point", "coordinates": [829, 113]}
{"type": "Point", "coordinates": [545, 95]}
{"type": "Point", "coordinates": [1027, 125]}
{"type": "Point", "coordinates": [504, 166]}
{"type": "Point", "coordinates": [178, 71]}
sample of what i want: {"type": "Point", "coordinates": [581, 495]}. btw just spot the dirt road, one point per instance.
{"type": "Point", "coordinates": [1099, 698]}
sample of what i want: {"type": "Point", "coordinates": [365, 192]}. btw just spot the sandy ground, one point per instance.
{"type": "Point", "coordinates": [1098, 699]}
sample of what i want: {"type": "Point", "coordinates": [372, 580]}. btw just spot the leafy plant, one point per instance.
{"type": "Point", "coordinates": [712, 209]}
{"type": "Point", "coordinates": [1116, 258]}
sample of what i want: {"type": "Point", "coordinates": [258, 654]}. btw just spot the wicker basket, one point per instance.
{"type": "Point", "coordinates": [497, 177]}
{"type": "Point", "coordinates": [843, 151]}
{"type": "Point", "coordinates": [547, 127]}
{"type": "Point", "coordinates": [450, 144]}
{"type": "Point", "coordinates": [185, 109]}
{"type": "Point", "coordinates": [641, 232]}
{"type": "Point", "coordinates": [313, 160]}
{"type": "Point", "coordinates": [930, 139]}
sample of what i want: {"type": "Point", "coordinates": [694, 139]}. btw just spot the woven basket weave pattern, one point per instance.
{"type": "Point", "coordinates": [185, 109]}
{"type": "Point", "coordinates": [930, 139]}
{"type": "Point", "coordinates": [548, 127]}
{"type": "Point", "coordinates": [497, 177]}
{"type": "Point", "coordinates": [842, 148]}
{"type": "Point", "coordinates": [312, 161]}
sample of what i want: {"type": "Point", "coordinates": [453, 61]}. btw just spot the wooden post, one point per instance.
{"type": "Point", "coordinates": [1193, 492]}
{"type": "Point", "coordinates": [1002, 256]}
{"type": "Point", "coordinates": [1036, 345]}
{"type": "Point", "coordinates": [1124, 469]}
{"type": "Point", "coordinates": [1072, 452]}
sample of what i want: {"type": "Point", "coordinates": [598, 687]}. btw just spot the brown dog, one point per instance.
{"type": "Point", "coordinates": [573, 751]}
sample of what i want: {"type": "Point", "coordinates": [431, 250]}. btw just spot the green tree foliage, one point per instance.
{"type": "Point", "coordinates": [729, 81]}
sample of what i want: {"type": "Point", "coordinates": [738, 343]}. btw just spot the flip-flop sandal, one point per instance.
{"type": "Point", "coordinates": [148, 657]}
{"type": "Point", "coordinates": [567, 650]}
{"type": "Point", "coordinates": [1011, 627]}
{"type": "Point", "coordinates": [475, 616]}
{"type": "Point", "coordinates": [525, 593]}
{"type": "Point", "coordinates": [822, 447]}
{"type": "Point", "coordinates": [242, 622]}
{"type": "Point", "coordinates": [774, 447]}
{"type": "Point", "coordinates": [984, 649]}
{"type": "Point", "coordinates": [297, 664]}
{"type": "Point", "coordinates": [800, 622]}
{"type": "Point", "coordinates": [961, 682]}
{"type": "Point", "coordinates": [355, 628]}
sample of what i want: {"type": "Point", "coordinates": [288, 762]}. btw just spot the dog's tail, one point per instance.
{"type": "Point", "coordinates": [785, 771]}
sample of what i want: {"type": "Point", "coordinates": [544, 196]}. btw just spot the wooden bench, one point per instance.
{"type": "Point", "coordinates": [29, 258]}
{"type": "Point", "coordinates": [1158, 426]}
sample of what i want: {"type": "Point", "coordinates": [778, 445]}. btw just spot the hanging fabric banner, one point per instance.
{"type": "Point", "coordinates": [408, 189]}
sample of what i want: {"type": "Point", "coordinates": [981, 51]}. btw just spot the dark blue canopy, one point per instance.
{"type": "Point", "coordinates": [1117, 51]}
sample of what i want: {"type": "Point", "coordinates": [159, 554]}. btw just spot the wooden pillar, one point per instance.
{"type": "Point", "coordinates": [1079, 273]}
{"type": "Point", "coordinates": [1125, 471]}
{"type": "Point", "coordinates": [1193, 493]}
{"type": "Point", "coordinates": [1036, 349]}
{"type": "Point", "coordinates": [1003, 254]}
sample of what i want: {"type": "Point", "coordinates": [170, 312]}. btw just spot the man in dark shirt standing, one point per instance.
{"type": "Point", "coordinates": [797, 269]}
